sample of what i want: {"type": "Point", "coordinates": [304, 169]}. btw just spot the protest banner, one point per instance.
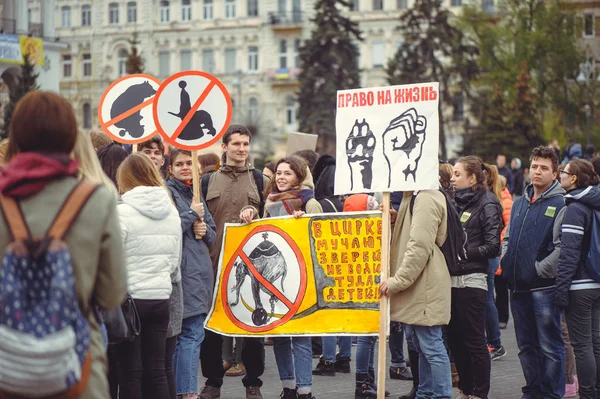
{"type": "Point", "coordinates": [323, 281]}
{"type": "Point", "coordinates": [301, 141]}
{"type": "Point", "coordinates": [395, 131]}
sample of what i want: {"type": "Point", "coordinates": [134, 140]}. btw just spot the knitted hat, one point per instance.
{"type": "Point", "coordinates": [360, 202]}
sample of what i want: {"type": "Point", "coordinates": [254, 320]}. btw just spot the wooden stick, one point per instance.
{"type": "Point", "coordinates": [384, 303]}
{"type": "Point", "coordinates": [196, 179]}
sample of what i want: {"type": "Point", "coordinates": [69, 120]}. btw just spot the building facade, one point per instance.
{"type": "Point", "coordinates": [252, 46]}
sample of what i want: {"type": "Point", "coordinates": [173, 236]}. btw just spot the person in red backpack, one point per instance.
{"type": "Point", "coordinates": [39, 175]}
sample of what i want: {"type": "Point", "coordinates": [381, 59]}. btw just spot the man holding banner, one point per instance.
{"type": "Point", "coordinates": [418, 269]}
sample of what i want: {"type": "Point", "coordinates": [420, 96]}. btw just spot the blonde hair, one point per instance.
{"type": "Point", "coordinates": [502, 180]}
{"type": "Point", "coordinates": [3, 150]}
{"type": "Point", "coordinates": [89, 165]}
{"type": "Point", "coordinates": [138, 170]}
{"type": "Point", "coordinates": [99, 138]}
{"type": "Point", "coordinates": [492, 180]}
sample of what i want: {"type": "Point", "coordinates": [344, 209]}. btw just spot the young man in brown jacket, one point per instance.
{"type": "Point", "coordinates": [419, 286]}
{"type": "Point", "coordinates": [232, 196]}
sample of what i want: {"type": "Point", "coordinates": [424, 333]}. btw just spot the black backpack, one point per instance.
{"type": "Point", "coordinates": [455, 246]}
{"type": "Point", "coordinates": [258, 179]}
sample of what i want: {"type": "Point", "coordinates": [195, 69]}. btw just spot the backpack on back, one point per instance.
{"type": "Point", "coordinates": [44, 337]}
{"type": "Point", "coordinates": [592, 264]}
{"type": "Point", "coordinates": [258, 179]}
{"type": "Point", "coordinates": [455, 246]}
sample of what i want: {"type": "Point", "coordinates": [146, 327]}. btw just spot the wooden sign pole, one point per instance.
{"type": "Point", "coordinates": [196, 178]}
{"type": "Point", "coordinates": [134, 148]}
{"type": "Point", "coordinates": [384, 302]}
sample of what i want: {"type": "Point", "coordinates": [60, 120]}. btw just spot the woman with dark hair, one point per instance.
{"type": "Point", "coordinates": [292, 193]}
{"type": "Point", "coordinates": [209, 162]}
{"type": "Point", "coordinates": [481, 215]}
{"type": "Point", "coordinates": [111, 156]}
{"type": "Point", "coordinates": [39, 175]}
{"type": "Point", "coordinates": [576, 290]}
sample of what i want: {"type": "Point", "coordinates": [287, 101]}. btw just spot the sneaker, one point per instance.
{"type": "Point", "coordinates": [503, 325]}
{"type": "Point", "coordinates": [324, 368]}
{"type": "Point", "coordinates": [364, 391]}
{"type": "Point", "coordinates": [571, 390]}
{"type": "Point", "coordinates": [288, 393]}
{"type": "Point", "coordinates": [499, 353]}
{"type": "Point", "coordinates": [342, 366]}
{"type": "Point", "coordinates": [237, 370]}
{"type": "Point", "coordinates": [209, 392]}
{"type": "Point", "coordinates": [401, 373]}
{"type": "Point", "coordinates": [253, 393]}
{"type": "Point", "coordinates": [306, 396]}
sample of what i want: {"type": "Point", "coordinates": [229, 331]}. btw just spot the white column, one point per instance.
{"type": "Point", "coordinates": [21, 17]}
{"type": "Point", "coordinates": [49, 17]}
{"type": "Point", "coordinates": [8, 12]}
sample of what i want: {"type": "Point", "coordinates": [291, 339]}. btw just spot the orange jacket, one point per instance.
{"type": "Point", "coordinates": [507, 203]}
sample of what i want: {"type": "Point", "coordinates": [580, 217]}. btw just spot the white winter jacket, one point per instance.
{"type": "Point", "coordinates": [152, 236]}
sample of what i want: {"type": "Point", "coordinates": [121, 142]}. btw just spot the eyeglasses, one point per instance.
{"type": "Point", "coordinates": [564, 172]}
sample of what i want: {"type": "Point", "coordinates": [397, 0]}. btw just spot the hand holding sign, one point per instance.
{"type": "Point", "coordinates": [198, 207]}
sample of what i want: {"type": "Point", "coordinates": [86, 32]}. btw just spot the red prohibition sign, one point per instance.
{"type": "Point", "coordinates": [137, 108]}
{"type": "Point", "coordinates": [292, 306]}
{"type": "Point", "coordinates": [213, 83]}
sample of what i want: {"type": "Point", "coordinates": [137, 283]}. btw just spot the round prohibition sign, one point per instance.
{"type": "Point", "coordinates": [125, 109]}
{"type": "Point", "coordinates": [192, 110]}
{"type": "Point", "coordinates": [292, 306]}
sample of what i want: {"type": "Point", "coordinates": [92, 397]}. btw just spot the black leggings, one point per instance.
{"type": "Point", "coordinates": [143, 359]}
{"type": "Point", "coordinates": [169, 353]}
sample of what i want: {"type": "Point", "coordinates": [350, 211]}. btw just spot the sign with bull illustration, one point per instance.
{"type": "Point", "coordinates": [392, 130]}
{"type": "Point", "coordinates": [315, 275]}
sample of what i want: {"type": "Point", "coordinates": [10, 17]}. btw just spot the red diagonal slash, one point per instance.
{"type": "Point", "coordinates": [128, 113]}
{"type": "Point", "coordinates": [264, 281]}
{"type": "Point", "coordinates": [193, 110]}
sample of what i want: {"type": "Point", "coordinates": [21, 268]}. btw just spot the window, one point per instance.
{"type": "Point", "coordinates": [67, 66]}
{"type": "Point", "coordinates": [87, 64]}
{"type": "Point", "coordinates": [296, 53]}
{"type": "Point", "coordinates": [253, 8]}
{"type": "Point", "coordinates": [164, 11]}
{"type": "Point", "coordinates": [253, 59]}
{"type": "Point", "coordinates": [65, 12]}
{"type": "Point", "coordinates": [296, 11]}
{"type": "Point", "coordinates": [377, 4]}
{"type": "Point", "coordinates": [29, 13]}
{"type": "Point", "coordinates": [290, 111]}
{"type": "Point", "coordinates": [487, 5]}
{"type": "Point", "coordinates": [131, 12]}
{"type": "Point", "coordinates": [378, 53]}
{"type": "Point", "coordinates": [186, 10]}
{"type": "Point", "coordinates": [87, 116]}
{"type": "Point", "coordinates": [113, 13]}
{"type": "Point", "coordinates": [229, 9]}
{"type": "Point", "coordinates": [164, 63]}
{"type": "Point", "coordinates": [122, 59]}
{"type": "Point", "coordinates": [208, 60]}
{"type": "Point", "coordinates": [588, 25]}
{"type": "Point", "coordinates": [355, 5]}
{"type": "Point", "coordinates": [253, 109]}
{"type": "Point", "coordinates": [283, 53]}
{"type": "Point", "coordinates": [456, 3]}
{"type": "Point", "coordinates": [230, 60]}
{"type": "Point", "coordinates": [459, 107]}
{"type": "Point", "coordinates": [185, 57]}
{"type": "Point", "coordinates": [401, 4]}
{"type": "Point", "coordinates": [86, 15]}
{"type": "Point", "coordinates": [282, 7]}
{"type": "Point", "coordinates": [208, 9]}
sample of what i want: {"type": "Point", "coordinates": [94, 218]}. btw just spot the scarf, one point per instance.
{"type": "Point", "coordinates": [465, 196]}
{"type": "Point", "coordinates": [29, 172]}
{"type": "Point", "coordinates": [282, 204]}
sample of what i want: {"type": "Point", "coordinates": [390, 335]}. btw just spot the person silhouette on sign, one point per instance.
{"type": "Point", "coordinates": [200, 122]}
{"type": "Point", "coordinates": [132, 96]}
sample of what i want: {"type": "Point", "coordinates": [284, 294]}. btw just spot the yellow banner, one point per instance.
{"type": "Point", "coordinates": [315, 275]}
{"type": "Point", "coordinates": [34, 47]}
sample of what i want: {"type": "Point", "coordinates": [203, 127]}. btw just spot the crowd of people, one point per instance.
{"type": "Point", "coordinates": [143, 237]}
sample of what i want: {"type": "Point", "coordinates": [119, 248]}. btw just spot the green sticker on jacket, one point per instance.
{"type": "Point", "coordinates": [465, 216]}
{"type": "Point", "coordinates": [550, 211]}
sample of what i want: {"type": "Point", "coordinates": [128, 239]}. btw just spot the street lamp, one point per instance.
{"type": "Point", "coordinates": [586, 74]}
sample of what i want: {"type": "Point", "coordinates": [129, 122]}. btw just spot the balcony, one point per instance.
{"type": "Point", "coordinates": [8, 26]}
{"type": "Point", "coordinates": [286, 21]}
{"type": "Point", "coordinates": [36, 30]}
{"type": "Point", "coordinates": [283, 77]}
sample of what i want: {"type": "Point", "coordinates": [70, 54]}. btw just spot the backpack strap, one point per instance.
{"type": "Point", "coordinates": [71, 209]}
{"type": "Point", "coordinates": [14, 219]}
{"type": "Point", "coordinates": [205, 182]}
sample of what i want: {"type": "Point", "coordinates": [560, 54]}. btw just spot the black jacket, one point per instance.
{"type": "Point", "coordinates": [575, 243]}
{"type": "Point", "coordinates": [324, 178]}
{"type": "Point", "coordinates": [481, 215]}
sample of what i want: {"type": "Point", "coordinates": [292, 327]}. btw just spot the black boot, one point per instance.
{"type": "Point", "coordinates": [288, 393]}
{"type": "Point", "coordinates": [306, 396]}
{"type": "Point", "coordinates": [411, 395]}
{"type": "Point", "coordinates": [414, 361]}
{"type": "Point", "coordinates": [364, 390]}
{"type": "Point", "coordinates": [373, 382]}
{"type": "Point", "coordinates": [324, 368]}
{"type": "Point", "coordinates": [342, 365]}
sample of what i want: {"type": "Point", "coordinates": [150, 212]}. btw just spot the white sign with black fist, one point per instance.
{"type": "Point", "coordinates": [387, 139]}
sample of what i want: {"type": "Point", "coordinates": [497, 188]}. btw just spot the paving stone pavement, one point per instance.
{"type": "Point", "coordinates": [507, 378]}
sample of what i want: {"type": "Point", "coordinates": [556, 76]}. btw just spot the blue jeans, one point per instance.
{"type": "Point", "coordinates": [397, 344]}
{"type": "Point", "coordinates": [435, 378]}
{"type": "Point", "coordinates": [187, 353]}
{"type": "Point", "coordinates": [365, 354]}
{"type": "Point", "coordinates": [492, 326]}
{"type": "Point", "coordinates": [296, 366]}
{"type": "Point", "coordinates": [539, 337]}
{"type": "Point", "coordinates": [330, 345]}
